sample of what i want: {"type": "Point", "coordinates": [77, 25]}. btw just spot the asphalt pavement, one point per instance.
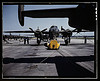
{"type": "Point", "coordinates": [76, 60]}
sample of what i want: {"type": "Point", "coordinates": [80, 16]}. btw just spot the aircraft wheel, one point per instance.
{"type": "Point", "coordinates": [45, 44]}
{"type": "Point", "coordinates": [66, 42]}
{"type": "Point", "coordinates": [38, 41]}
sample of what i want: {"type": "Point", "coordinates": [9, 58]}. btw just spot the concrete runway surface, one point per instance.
{"type": "Point", "coordinates": [76, 60]}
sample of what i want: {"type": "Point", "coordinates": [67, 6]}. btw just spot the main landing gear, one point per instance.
{"type": "Point", "coordinates": [38, 41]}
{"type": "Point", "coordinates": [67, 40]}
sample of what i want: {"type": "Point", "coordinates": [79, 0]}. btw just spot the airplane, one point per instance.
{"type": "Point", "coordinates": [81, 17]}
{"type": "Point", "coordinates": [52, 35]}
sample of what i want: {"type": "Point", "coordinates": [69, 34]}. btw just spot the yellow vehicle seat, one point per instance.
{"type": "Point", "coordinates": [54, 44]}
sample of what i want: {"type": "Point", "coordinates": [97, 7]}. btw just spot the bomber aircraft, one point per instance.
{"type": "Point", "coordinates": [52, 35]}
{"type": "Point", "coordinates": [81, 17]}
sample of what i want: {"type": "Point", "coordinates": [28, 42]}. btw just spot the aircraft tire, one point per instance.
{"type": "Point", "coordinates": [66, 42]}
{"type": "Point", "coordinates": [38, 42]}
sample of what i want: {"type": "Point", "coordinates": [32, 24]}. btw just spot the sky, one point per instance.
{"type": "Point", "coordinates": [11, 22]}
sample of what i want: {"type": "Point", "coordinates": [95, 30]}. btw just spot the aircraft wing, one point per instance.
{"type": "Point", "coordinates": [49, 13]}
{"type": "Point", "coordinates": [18, 31]}
{"type": "Point", "coordinates": [66, 33]}
{"type": "Point", "coordinates": [44, 32]}
{"type": "Point", "coordinates": [82, 31]}
{"type": "Point", "coordinates": [81, 17]}
{"type": "Point", "coordinates": [75, 30]}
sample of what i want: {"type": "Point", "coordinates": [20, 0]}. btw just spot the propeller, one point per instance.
{"type": "Point", "coordinates": [38, 33]}
{"type": "Point", "coordinates": [67, 32]}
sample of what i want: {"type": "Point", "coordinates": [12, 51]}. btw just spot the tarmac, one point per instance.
{"type": "Point", "coordinates": [76, 60]}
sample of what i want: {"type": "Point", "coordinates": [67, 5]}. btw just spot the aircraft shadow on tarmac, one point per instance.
{"type": "Point", "coordinates": [24, 45]}
{"type": "Point", "coordinates": [66, 66]}
{"type": "Point", "coordinates": [71, 44]}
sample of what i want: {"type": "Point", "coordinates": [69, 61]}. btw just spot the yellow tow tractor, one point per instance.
{"type": "Point", "coordinates": [53, 44]}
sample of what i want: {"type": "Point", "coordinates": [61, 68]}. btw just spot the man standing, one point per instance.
{"type": "Point", "coordinates": [24, 40]}
{"type": "Point", "coordinates": [27, 40]}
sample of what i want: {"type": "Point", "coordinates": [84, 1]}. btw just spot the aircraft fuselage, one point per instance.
{"type": "Point", "coordinates": [53, 32]}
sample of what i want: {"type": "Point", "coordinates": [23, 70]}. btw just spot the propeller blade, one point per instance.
{"type": "Point", "coordinates": [31, 30]}
{"type": "Point", "coordinates": [44, 30]}
{"type": "Point", "coordinates": [62, 28]}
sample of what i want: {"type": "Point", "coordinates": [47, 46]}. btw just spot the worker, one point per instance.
{"type": "Point", "coordinates": [24, 40]}
{"type": "Point", "coordinates": [4, 38]}
{"type": "Point", "coordinates": [27, 40]}
{"type": "Point", "coordinates": [85, 39]}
